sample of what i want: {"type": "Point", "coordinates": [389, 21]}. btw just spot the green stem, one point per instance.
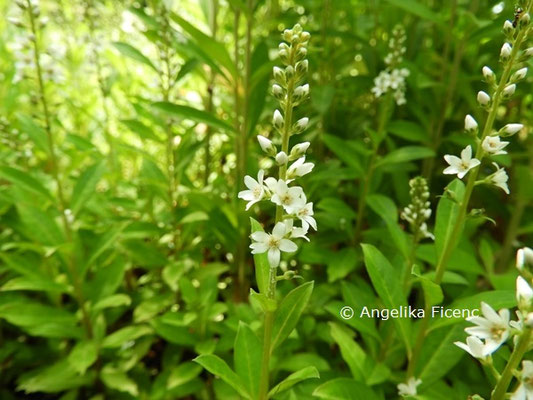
{"type": "Point", "coordinates": [210, 88]}
{"type": "Point", "coordinates": [516, 356]}
{"type": "Point", "coordinates": [76, 282]}
{"type": "Point", "coordinates": [473, 174]}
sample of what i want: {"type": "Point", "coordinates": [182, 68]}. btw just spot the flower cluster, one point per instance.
{"type": "Point", "coordinates": [290, 200]}
{"type": "Point", "coordinates": [392, 78]}
{"type": "Point", "coordinates": [491, 143]}
{"type": "Point", "coordinates": [495, 328]}
{"type": "Point", "coordinates": [419, 211]}
{"type": "Point", "coordinates": [21, 45]}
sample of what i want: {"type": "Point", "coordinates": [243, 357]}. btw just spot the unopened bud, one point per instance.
{"type": "Point", "coordinates": [279, 75]}
{"type": "Point", "coordinates": [277, 91]}
{"type": "Point", "coordinates": [470, 124]}
{"type": "Point", "coordinates": [483, 98]}
{"type": "Point", "coordinates": [505, 52]}
{"type": "Point", "coordinates": [301, 91]}
{"type": "Point", "coordinates": [277, 120]}
{"type": "Point", "coordinates": [509, 91]}
{"type": "Point", "coordinates": [524, 294]}
{"type": "Point", "coordinates": [524, 258]}
{"type": "Point", "coordinates": [508, 27]}
{"type": "Point", "coordinates": [519, 75]}
{"type": "Point", "coordinates": [525, 19]}
{"type": "Point", "coordinates": [287, 35]}
{"type": "Point", "coordinates": [301, 53]}
{"type": "Point", "coordinates": [302, 66]}
{"type": "Point", "coordinates": [305, 36]}
{"type": "Point", "coordinates": [300, 125]}
{"type": "Point", "coordinates": [298, 150]}
{"type": "Point", "coordinates": [289, 72]}
{"type": "Point", "coordinates": [511, 129]}
{"type": "Point", "coordinates": [282, 158]}
{"type": "Point", "coordinates": [266, 145]}
{"type": "Point", "coordinates": [16, 22]}
{"type": "Point", "coordinates": [528, 52]}
{"type": "Point", "coordinates": [488, 74]}
{"type": "Point", "coordinates": [528, 320]}
{"type": "Point", "coordinates": [283, 55]}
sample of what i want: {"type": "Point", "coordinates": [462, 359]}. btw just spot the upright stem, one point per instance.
{"type": "Point", "coordinates": [210, 89]}
{"type": "Point", "coordinates": [76, 282]}
{"type": "Point", "coordinates": [516, 356]}
{"type": "Point", "coordinates": [473, 174]}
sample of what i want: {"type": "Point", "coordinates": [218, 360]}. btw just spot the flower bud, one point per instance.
{"type": "Point", "coordinates": [488, 74]}
{"type": "Point", "coordinates": [528, 52]}
{"type": "Point", "coordinates": [470, 124]}
{"type": "Point", "coordinates": [519, 75]}
{"type": "Point", "coordinates": [509, 91]}
{"type": "Point", "coordinates": [511, 129]}
{"type": "Point", "coordinates": [301, 92]}
{"type": "Point", "coordinates": [528, 320]}
{"type": "Point", "coordinates": [297, 28]}
{"type": "Point", "coordinates": [524, 257]}
{"type": "Point", "coordinates": [302, 66]}
{"type": "Point", "coordinates": [508, 27]}
{"type": "Point", "coordinates": [305, 36]}
{"type": "Point", "coordinates": [266, 145]}
{"type": "Point", "coordinates": [284, 56]}
{"type": "Point", "coordinates": [279, 75]}
{"type": "Point", "coordinates": [282, 158]}
{"type": "Point", "coordinates": [524, 294]}
{"type": "Point", "coordinates": [505, 52]}
{"type": "Point", "coordinates": [525, 19]}
{"type": "Point", "coordinates": [277, 91]}
{"type": "Point", "coordinates": [300, 125]}
{"type": "Point", "coordinates": [283, 46]}
{"type": "Point", "coordinates": [15, 21]}
{"type": "Point", "coordinates": [301, 53]}
{"type": "Point", "coordinates": [277, 120]}
{"type": "Point", "coordinates": [289, 72]}
{"type": "Point", "coordinates": [483, 98]}
{"type": "Point", "coordinates": [287, 35]}
{"type": "Point", "coordinates": [298, 150]}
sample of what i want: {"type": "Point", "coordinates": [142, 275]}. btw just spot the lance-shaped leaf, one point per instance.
{"type": "Point", "coordinates": [131, 52]}
{"type": "Point", "coordinates": [218, 367]}
{"type": "Point", "coordinates": [24, 181]}
{"type": "Point", "coordinates": [85, 186]}
{"type": "Point", "coordinates": [345, 389]}
{"type": "Point", "coordinates": [247, 358]}
{"type": "Point", "coordinates": [293, 379]}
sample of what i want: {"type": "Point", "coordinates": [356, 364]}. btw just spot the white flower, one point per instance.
{"type": "Point", "coordinates": [305, 214]}
{"type": "Point", "coordinates": [524, 293]}
{"type": "Point", "coordinates": [295, 232]}
{"type": "Point", "coordinates": [266, 144]}
{"type": "Point", "coordinates": [525, 389]}
{"type": "Point", "coordinates": [505, 52]}
{"type": "Point", "coordinates": [288, 197]}
{"type": "Point", "coordinates": [483, 98]}
{"type": "Point", "coordinates": [277, 120]}
{"type": "Point", "coordinates": [299, 168]}
{"type": "Point", "coordinates": [474, 346]}
{"type": "Point", "coordinates": [488, 74]}
{"type": "Point", "coordinates": [519, 75]}
{"type": "Point", "coordinates": [493, 145]}
{"type": "Point", "coordinates": [255, 191]}
{"type": "Point", "coordinates": [524, 257]}
{"type": "Point", "coordinates": [282, 158]}
{"type": "Point", "coordinates": [470, 124]}
{"type": "Point", "coordinates": [511, 129]}
{"type": "Point", "coordinates": [409, 388]}
{"type": "Point", "coordinates": [509, 90]}
{"type": "Point", "coordinates": [461, 166]}
{"type": "Point", "coordinates": [500, 178]}
{"type": "Point", "coordinates": [273, 243]}
{"type": "Point", "coordinates": [493, 327]}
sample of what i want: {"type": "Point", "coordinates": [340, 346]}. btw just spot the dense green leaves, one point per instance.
{"type": "Point", "coordinates": [218, 367]}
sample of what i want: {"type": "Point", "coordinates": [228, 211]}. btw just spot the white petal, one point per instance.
{"type": "Point", "coordinates": [250, 182]}
{"type": "Point", "coordinates": [273, 257]}
{"type": "Point", "coordinates": [258, 247]}
{"type": "Point", "coordinates": [279, 230]}
{"type": "Point", "coordinates": [452, 160]}
{"type": "Point", "coordinates": [466, 154]}
{"type": "Point", "coordinates": [287, 246]}
{"type": "Point", "coordinates": [260, 236]}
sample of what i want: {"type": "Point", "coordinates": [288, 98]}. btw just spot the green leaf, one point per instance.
{"type": "Point", "coordinates": [140, 129]}
{"type": "Point", "coordinates": [183, 374]}
{"type": "Point", "coordinates": [40, 283]}
{"type": "Point", "coordinates": [293, 379]}
{"type": "Point", "coordinates": [344, 150]}
{"type": "Point", "coordinates": [385, 280]}
{"type": "Point", "coordinates": [405, 154]}
{"type": "Point", "coordinates": [193, 114]}
{"type": "Point", "coordinates": [351, 352]}
{"type": "Point", "coordinates": [262, 266]}
{"type": "Point", "coordinates": [247, 358]}
{"type": "Point", "coordinates": [34, 131]}
{"type": "Point", "coordinates": [209, 45]}
{"type": "Point", "coordinates": [218, 367]}
{"type": "Point", "coordinates": [126, 334]}
{"type": "Point", "coordinates": [408, 130]}
{"type": "Point", "coordinates": [115, 300]}
{"type": "Point", "coordinates": [342, 263]}
{"type": "Point", "coordinates": [386, 209]}
{"type": "Point", "coordinates": [289, 311]}
{"type": "Point", "coordinates": [417, 8]}
{"type": "Point", "coordinates": [83, 355]}
{"type": "Point", "coordinates": [447, 214]}
{"type": "Point", "coordinates": [52, 379]}
{"type": "Point", "coordinates": [344, 389]}
{"type": "Point", "coordinates": [40, 225]}
{"type": "Point", "coordinates": [119, 380]}
{"type": "Point", "coordinates": [85, 186]}
{"type": "Point", "coordinates": [131, 52]}
{"type": "Point", "coordinates": [30, 314]}
{"type": "Point", "coordinates": [24, 181]}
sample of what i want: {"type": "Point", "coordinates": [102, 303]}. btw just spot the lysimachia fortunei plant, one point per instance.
{"type": "Point", "coordinates": [488, 143]}
{"type": "Point", "coordinates": [494, 329]}
{"type": "Point", "coordinates": [294, 217]}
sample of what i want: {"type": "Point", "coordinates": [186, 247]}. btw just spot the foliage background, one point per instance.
{"type": "Point", "coordinates": [123, 247]}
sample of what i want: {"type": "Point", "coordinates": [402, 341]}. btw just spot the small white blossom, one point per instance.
{"type": "Point", "coordinates": [493, 327]}
{"type": "Point", "coordinates": [493, 145]}
{"type": "Point", "coordinates": [500, 178]}
{"type": "Point", "coordinates": [288, 197]}
{"type": "Point", "coordinates": [470, 124]}
{"type": "Point", "coordinates": [525, 389]}
{"type": "Point", "coordinates": [409, 388]}
{"type": "Point", "coordinates": [255, 191]}
{"type": "Point", "coordinates": [519, 75]}
{"type": "Point", "coordinates": [524, 293]}
{"type": "Point", "coordinates": [524, 257]}
{"type": "Point", "coordinates": [461, 166]}
{"type": "Point", "coordinates": [505, 52]}
{"type": "Point", "coordinates": [282, 158]}
{"type": "Point", "coordinates": [483, 98]}
{"type": "Point", "coordinates": [475, 347]}
{"type": "Point", "coordinates": [508, 26]}
{"type": "Point", "coordinates": [273, 243]}
{"type": "Point", "coordinates": [488, 74]}
{"type": "Point", "coordinates": [305, 214]}
{"type": "Point", "coordinates": [299, 168]}
{"type": "Point", "coordinates": [296, 232]}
